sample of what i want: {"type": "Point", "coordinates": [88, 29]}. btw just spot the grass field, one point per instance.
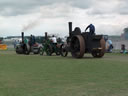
{"type": "Point", "coordinates": [34, 75]}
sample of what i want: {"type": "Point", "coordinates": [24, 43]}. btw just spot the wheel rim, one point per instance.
{"type": "Point", "coordinates": [49, 50]}
{"type": "Point", "coordinates": [64, 51]}
{"type": "Point", "coordinates": [102, 51]}
{"type": "Point", "coordinates": [41, 51]}
{"type": "Point", "coordinates": [77, 46]}
{"type": "Point", "coordinates": [57, 49]}
{"type": "Point", "coordinates": [57, 52]}
{"type": "Point", "coordinates": [102, 42]}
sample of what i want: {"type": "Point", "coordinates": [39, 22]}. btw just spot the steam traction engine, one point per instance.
{"type": "Point", "coordinates": [79, 43]}
{"type": "Point", "coordinates": [25, 46]}
{"type": "Point", "coordinates": [48, 47]}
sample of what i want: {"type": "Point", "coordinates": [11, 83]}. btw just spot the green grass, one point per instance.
{"type": "Point", "coordinates": [34, 75]}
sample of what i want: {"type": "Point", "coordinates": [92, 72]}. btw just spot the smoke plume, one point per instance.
{"type": "Point", "coordinates": [31, 24]}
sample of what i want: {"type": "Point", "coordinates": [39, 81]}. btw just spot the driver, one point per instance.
{"type": "Point", "coordinates": [91, 28]}
{"type": "Point", "coordinates": [54, 40]}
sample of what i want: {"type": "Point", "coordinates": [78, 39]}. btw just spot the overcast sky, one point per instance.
{"type": "Point", "coordinates": [52, 16]}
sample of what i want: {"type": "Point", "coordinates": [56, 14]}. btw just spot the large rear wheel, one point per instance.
{"type": "Point", "coordinates": [77, 46]}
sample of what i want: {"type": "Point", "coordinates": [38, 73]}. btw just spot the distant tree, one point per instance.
{"type": "Point", "coordinates": [1, 38]}
{"type": "Point", "coordinates": [126, 33]}
{"type": "Point", "coordinates": [125, 30]}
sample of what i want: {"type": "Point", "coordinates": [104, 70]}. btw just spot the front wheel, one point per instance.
{"type": "Point", "coordinates": [49, 50]}
{"type": "Point", "coordinates": [63, 50]}
{"type": "Point", "coordinates": [57, 53]}
{"type": "Point", "coordinates": [19, 50]}
{"type": "Point", "coordinates": [99, 53]}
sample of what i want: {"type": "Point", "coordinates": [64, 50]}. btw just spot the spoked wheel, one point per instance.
{"type": "Point", "coordinates": [77, 46]}
{"type": "Point", "coordinates": [57, 52]}
{"type": "Point", "coordinates": [57, 49]}
{"type": "Point", "coordinates": [19, 50]}
{"type": "Point", "coordinates": [49, 50]}
{"type": "Point", "coordinates": [41, 51]}
{"type": "Point", "coordinates": [99, 53]}
{"type": "Point", "coordinates": [63, 50]}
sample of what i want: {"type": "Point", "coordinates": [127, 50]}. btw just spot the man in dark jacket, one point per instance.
{"type": "Point", "coordinates": [91, 28]}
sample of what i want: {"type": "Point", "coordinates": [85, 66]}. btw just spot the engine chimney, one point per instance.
{"type": "Point", "coordinates": [70, 28]}
{"type": "Point", "coordinates": [22, 34]}
{"type": "Point", "coordinates": [46, 35]}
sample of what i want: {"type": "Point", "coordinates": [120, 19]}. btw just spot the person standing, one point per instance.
{"type": "Point", "coordinates": [110, 46]}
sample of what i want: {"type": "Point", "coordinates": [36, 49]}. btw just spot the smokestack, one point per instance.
{"type": "Point", "coordinates": [22, 34]}
{"type": "Point", "coordinates": [70, 28]}
{"type": "Point", "coordinates": [46, 35]}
